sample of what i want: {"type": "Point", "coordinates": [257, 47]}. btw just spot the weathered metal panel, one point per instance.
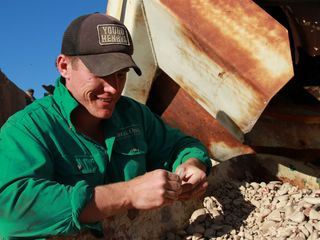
{"type": "Point", "coordinates": [228, 55]}
{"type": "Point", "coordinates": [286, 169]}
{"type": "Point", "coordinates": [12, 98]}
{"type": "Point", "coordinates": [131, 14]}
{"type": "Point", "coordinates": [187, 115]}
{"type": "Point", "coordinates": [115, 8]}
{"type": "Point", "coordinates": [287, 127]}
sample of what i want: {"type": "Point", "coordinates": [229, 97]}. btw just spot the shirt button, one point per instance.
{"type": "Point", "coordinates": [79, 166]}
{"type": "Point", "coordinates": [134, 150]}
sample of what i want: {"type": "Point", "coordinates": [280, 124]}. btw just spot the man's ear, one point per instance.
{"type": "Point", "coordinates": [63, 65]}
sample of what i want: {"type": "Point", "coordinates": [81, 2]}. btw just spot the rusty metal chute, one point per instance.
{"type": "Point", "coordinates": [224, 58]}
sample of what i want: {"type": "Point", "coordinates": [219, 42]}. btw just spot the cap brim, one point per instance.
{"type": "Point", "coordinates": [109, 63]}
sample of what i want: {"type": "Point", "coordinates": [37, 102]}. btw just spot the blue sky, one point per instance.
{"type": "Point", "coordinates": [30, 39]}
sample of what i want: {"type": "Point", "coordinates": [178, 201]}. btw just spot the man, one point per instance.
{"type": "Point", "coordinates": [86, 153]}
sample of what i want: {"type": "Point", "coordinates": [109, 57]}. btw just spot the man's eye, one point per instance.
{"type": "Point", "coordinates": [122, 74]}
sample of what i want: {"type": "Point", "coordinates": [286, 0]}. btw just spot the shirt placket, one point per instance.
{"type": "Point", "coordinates": [99, 154]}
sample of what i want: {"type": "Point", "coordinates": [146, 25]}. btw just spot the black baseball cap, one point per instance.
{"type": "Point", "coordinates": [102, 42]}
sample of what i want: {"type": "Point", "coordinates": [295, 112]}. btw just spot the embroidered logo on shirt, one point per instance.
{"type": "Point", "coordinates": [135, 150]}
{"type": "Point", "coordinates": [129, 131]}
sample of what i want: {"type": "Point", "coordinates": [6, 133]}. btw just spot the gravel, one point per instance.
{"type": "Point", "coordinates": [257, 211]}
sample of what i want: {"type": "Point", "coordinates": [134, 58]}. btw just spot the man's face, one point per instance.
{"type": "Point", "coordinates": [98, 95]}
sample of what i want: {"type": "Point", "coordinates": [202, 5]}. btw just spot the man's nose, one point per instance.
{"type": "Point", "coordinates": [110, 84]}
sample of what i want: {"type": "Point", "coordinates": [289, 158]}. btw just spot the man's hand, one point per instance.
{"type": "Point", "coordinates": [154, 189]}
{"type": "Point", "coordinates": [194, 180]}
{"type": "Point", "coordinates": [151, 190]}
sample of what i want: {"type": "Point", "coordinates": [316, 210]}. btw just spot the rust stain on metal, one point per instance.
{"type": "Point", "coordinates": [254, 45]}
{"type": "Point", "coordinates": [220, 75]}
{"type": "Point", "coordinates": [187, 115]}
{"type": "Point", "coordinates": [188, 89]}
{"type": "Point", "coordinates": [257, 104]}
{"type": "Point", "coordinates": [298, 182]}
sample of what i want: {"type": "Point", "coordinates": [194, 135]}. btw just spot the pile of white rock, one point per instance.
{"type": "Point", "coordinates": [255, 211]}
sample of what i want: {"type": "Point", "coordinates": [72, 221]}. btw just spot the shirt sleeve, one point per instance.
{"type": "Point", "coordinates": [168, 147]}
{"type": "Point", "coordinates": [32, 202]}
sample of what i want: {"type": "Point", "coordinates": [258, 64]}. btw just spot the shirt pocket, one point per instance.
{"type": "Point", "coordinates": [76, 165]}
{"type": "Point", "coordinates": [128, 158]}
{"type": "Point", "coordinates": [72, 168]}
{"type": "Point", "coordinates": [85, 164]}
{"type": "Point", "coordinates": [130, 147]}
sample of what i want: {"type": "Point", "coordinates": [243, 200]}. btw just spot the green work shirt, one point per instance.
{"type": "Point", "coordinates": [48, 169]}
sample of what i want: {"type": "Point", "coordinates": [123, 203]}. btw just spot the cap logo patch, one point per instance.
{"type": "Point", "coordinates": [112, 34]}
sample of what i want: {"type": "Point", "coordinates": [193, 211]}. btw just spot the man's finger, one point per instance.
{"type": "Point", "coordinates": [181, 173]}
{"type": "Point", "coordinates": [189, 195]}
{"type": "Point", "coordinates": [201, 189]}
{"type": "Point", "coordinates": [173, 186]}
{"type": "Point", "coordinates": [173, 177]}
{"type": "Point", "coordinates": [192, 185]}
{"type": "Point", "coordinates": [186, 187]}
{"type": "Point", "coordinates": [189, 192]}
{"type": "Point", "coordinates": [171, 195]}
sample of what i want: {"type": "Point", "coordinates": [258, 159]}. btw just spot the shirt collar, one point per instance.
{"type": "Point", "coordinates": [68, 103]}
{"type": "Point", "coordinates": [64, 99]}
